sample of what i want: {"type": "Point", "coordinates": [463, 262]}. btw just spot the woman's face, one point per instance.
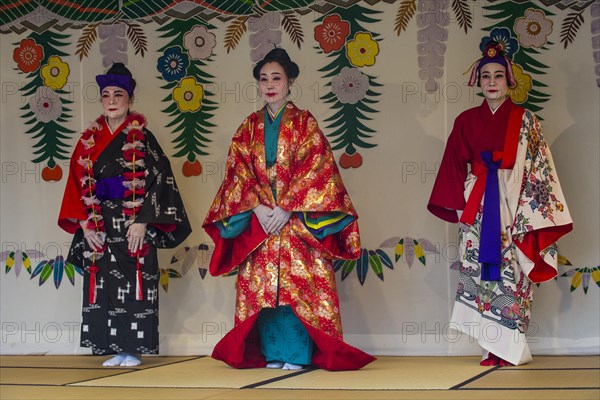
{"type": "Point", "coordinates": [274, 85]}
{"type": "Point", "coordinates": [116, 103]}
{"type": "Point", "coordinates": [492, 79]}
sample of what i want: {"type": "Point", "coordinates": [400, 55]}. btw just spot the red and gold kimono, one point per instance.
{"type": "Point", "coordinates": [499, 165]}
{"type": "Point", "coordinates": [293, 268]}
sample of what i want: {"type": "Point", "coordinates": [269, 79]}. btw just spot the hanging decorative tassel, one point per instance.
{"type": "Point", "coordinates": [510, 75]}
{"type": "Point", "coordinates": [139, 292]}
{"type": "Point", "coordinates": [92, 292]}
{"type": "Point", "coordinates": [473, 73]}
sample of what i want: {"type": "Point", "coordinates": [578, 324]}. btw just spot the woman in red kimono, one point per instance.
{"type": "Point", "coordinates": [280, 217]}
{"type": "Point", "coordinates": [498, 171]}
{"type": "Point", "coordinates": [121, 202]}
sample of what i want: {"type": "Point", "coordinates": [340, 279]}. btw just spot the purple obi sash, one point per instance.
{"type": "Point", "coordinates": [110, 188]}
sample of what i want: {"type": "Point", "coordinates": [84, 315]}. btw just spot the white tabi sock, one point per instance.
{"type": "Point", "coordinates": [131, 361]}
{"type": "Point", "coordinates": [115, 361]}
{"type": "Point", "coordinates": [292, 367]}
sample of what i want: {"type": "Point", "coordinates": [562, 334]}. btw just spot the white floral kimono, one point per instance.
{"type": "Point", "coordinates": [533, 215]}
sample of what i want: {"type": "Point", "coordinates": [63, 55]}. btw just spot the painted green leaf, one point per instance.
{"type": "Point", "coordinates": [38, 269]}
{"type": "Point", "coordinates": [362, 266]}
{"type": "Point", "coordinates": [375, 263]}
{"type": "Point", "coordinates": [59, 268]}
{"type": "Point", "coordinates": [46, 272]}
{"type": "Point", "coordinates": [10, 261]}
{"type": "Point", "coordinates": [385, 259]}
{"type": "Point", "coordinates": [348, 268]}
{"type": "Point", "coordinates": [70, 272]}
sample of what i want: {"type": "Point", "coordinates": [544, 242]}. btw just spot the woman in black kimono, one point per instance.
{"type": "Point", "coordinates": [122, 203]}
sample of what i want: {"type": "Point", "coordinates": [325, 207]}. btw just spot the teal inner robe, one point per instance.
{"type": "Point", "coordinates": [282, 335]}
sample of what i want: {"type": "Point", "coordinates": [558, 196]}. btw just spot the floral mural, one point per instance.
{"type": "Point", "coordinates": [46, 112]}
{"type": "Point", "coordinates": [188, 104]}
{"type": "Point", "coordinates": [332, 33]}
{"type": "Point", "coordinates": [28, 55]}
{"type": "Point", "coordinates": [351, 49]}
{"type": "Point", "coordinates": [199, 43]}
{"type": "Point", "coordinates": [188, 95]}
{"type": "Point", "coordinates": [362, 50]}
{"type": "Point", "coordinates": [533, 28]}
{"type": "Point", "coordinates": [173, 64]}
{"type": "Point", "coordinates": [55, 73]}
{"type": "Point", "coordinates": [346, 36]}
{"type": "Point", "coordinates": [45, 104]}
{"type": "Point", "coordinates": [524, 84]}
{"type": "Point", "coordinates": [350, 86]}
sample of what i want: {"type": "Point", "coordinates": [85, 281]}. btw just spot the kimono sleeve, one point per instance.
{"type": "Point", "coordinates": [72, 207]}
{"type": "Point", "coordinates": [239, 193]}
{"type": "Point", "coordinates": [163, 206]}
{"type": "Point", "coordinates": [447, 195]}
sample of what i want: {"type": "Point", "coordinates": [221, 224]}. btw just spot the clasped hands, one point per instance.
{"type": "Point", "coordinates": [135, 236]}
{"type": "Point", "coordinates": [272, 220]}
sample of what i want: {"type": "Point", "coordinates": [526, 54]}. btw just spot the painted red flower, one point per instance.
{"type": "Point", "coordinates": [28, 55]}
{"type": "Point", "coordinates": [332, 33]}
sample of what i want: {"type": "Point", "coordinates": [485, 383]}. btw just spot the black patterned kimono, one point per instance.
{"type": "Point", "coordinates": [115, 179]}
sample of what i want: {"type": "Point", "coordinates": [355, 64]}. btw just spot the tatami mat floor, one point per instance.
{"type": "Point", "coordinates": [82, 377]}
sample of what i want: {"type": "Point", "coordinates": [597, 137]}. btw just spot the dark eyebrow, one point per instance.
{"type": "Point", "coordinates": [493, 72]}
{"type": "Point", "coordinates": [118, 90]}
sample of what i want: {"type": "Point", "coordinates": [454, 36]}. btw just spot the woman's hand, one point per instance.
{"type": "Point", "coordinates": [278, 220]}
{"type": "Point", "coordinates": [94, 239]}
{"type": "Point", "coordinates": [263, 213]}
{"type": "Point", "coordinates": [135, 236]}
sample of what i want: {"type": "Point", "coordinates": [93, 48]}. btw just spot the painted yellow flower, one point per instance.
{"type": "Point", "coordinates": [362, 50]}
{"type": "Point", "coordinates": [55, 73]}
{"type": "Point", "coordinates": [519, 93]}
{"type": "Point", "coordinates": [188, 94]}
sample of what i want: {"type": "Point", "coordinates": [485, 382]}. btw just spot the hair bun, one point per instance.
{"type": "Point", "coordinates": [281, 57]}
{"type": "Point", "coordinates": [278, 54]}
{"type": "Point", "coordinates": [119, 69]}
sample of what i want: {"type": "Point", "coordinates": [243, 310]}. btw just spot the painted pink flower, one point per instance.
{"type": "Point", "coordinates": [350, 85]}
{"type": "Point", "coordinates": [46, 104]}
{"type": "Point", "coordinates": [533, 29]}
{"type": "Point", "coordinates": [199, 42]}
